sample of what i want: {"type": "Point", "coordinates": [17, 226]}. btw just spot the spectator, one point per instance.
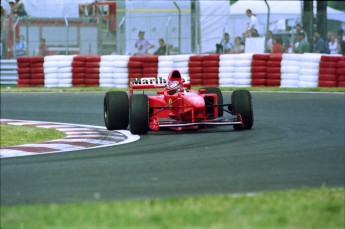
{"type": "Point", "coordinates": [225, 45]}
{"type": "Point", "coordinates": [340, 45]}
{"type": "Point", "coordinates": [341, 34]}
{"type": "Point", "coordinates": [43, 49]}
{"type": "Point", "coordinates": [13, 8]}
{"type": "Point", "coordinates": [254, 33]}
{"type": "Point", "coordinates": [252, 22]}
{"type": "Point", "coordinates": [20, 8]}
{"type": "Point", "coordinates": [277, 45]}
{"type": "Point", "coordinates": [295, 42]}
{"type": "Point", "coordinates": [269, 41]}
{"type": "Point", "coordinates": [298, 29]}
{"type": "Point", "coordinates": [238, 47]}
{"type": "Point", "coordinates": [319, 45]}
{"type": "Point", "coordinates": [303, 45]}
{"type": "Point", "coordinates": [162, 50]}
{"type": "Point", "coordinates": [23, 39]}
{"type": "Point", "coordinates": [142, 45]}
{"type": "Point", "coordinates": [332, 43]}
{"type": "Point", "coordinates": [19, 47]}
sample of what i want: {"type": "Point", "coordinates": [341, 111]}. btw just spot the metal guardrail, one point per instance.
{"type": "Point", "coordinates": [8, 74]}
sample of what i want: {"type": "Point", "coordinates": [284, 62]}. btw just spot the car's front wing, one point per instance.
{"type": "Point", "coordinates": [166, 122]}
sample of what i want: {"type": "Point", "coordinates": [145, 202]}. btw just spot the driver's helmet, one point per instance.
{"type": "Point", "coordinates": [172, 87]}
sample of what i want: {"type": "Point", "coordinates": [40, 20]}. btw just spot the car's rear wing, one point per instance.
{"type": "Point", "coordinates": [149, 83]}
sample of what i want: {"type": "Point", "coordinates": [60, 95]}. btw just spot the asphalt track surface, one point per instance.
{"type": "Point", "coordinates": [298, 141]}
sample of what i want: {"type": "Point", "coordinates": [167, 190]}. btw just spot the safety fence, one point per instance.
{"type": "Point", "coordinates": [227, 70]}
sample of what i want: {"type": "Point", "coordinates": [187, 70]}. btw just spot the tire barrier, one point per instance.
{"type": "Point", "coordinates": [290, 67]}
{"type": "Point", "coordinates": [341, 72]}
{"type": "Point", "coordinates": [274, 70]}
{"type": "Point", "coordinates": [226, 70]}
{"type": "Point", "coordinates": [165, 66]}
{"type": "Point", "coordinates": [195, 69]}
{"type": "Point", "coordinates": [210, 73]}
{"type": "Point", "coordinates": [120, 71]}
{"type": "Point", "coordinates": [242, 71]}
{"type": "Point", "coordinates": [78, 70]}
{"type": "Point", "coordinates": [92, 67]}
{"type": "Point", "coordinates": [24, 71]}
{"type": "Point", "coordinates": [58, 70]}
{"type": "Point", "coordinates": [307, 70]}
{"type": "Point", "coordinates": [30, 71]}
{"type": "Point", "coordinates": [259, 70]}
{"type": "Point", "coordinates": [328, 71]}
{"type": "Point", "coordinates": [37, 71]}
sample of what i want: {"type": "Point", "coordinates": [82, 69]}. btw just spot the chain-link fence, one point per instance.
{"type": "Point", "coordinates": [184, 26]}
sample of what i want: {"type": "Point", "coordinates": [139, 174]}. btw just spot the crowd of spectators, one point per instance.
{"type": "Point", "coordinates": [296, 42]}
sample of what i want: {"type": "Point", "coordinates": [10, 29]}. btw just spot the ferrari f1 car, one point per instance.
{"type": "Point", "coordinates": [175, 106]}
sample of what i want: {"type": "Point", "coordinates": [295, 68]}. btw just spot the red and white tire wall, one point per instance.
{"type": "Point", "coordinates": [195, 69]}
{"type": "Point", "coordinates": [30, 71]}
{"type": "Point", "coordinates": [274, 70]}
{"type": "Point", "coordinates": [210, 75]}
{"type": "Point", "coordinates": [58, 71]}
{"type": "Point", "coordinates": [242, 73]}
{"type": "Point", "coordinates": [259, 70]}
{"type": "Point", "coordinates": [226, 70]}
{"type": "Point", "coordinates": [78, 70]}
{"type": "Point", "coordinates": [290, 68]}
{"type": "Point", "coordinates": [341, 72]}
{"type": "Point", "coordinates": [328, 71]}
{"type": "Point", "coordinates": [113, 71]}
{"type": "Point", "coordinates": [309, 71]}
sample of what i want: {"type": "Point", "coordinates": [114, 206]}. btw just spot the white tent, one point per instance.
{"type": "Point", "coordinates": [214, 16]}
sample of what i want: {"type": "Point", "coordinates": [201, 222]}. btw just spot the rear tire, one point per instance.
{"type": "Point", "coordinates": [218, 92]}
{"type": "Point", "coordinates": [242, 104]}
{"type": "Point", "coordinates": [139, 114]}
{"type": "Point", "coordinates": [116, 110]}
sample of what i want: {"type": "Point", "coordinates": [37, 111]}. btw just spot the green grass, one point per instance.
{"type": "Point", "coordinates": [18, 135]}
{"type": "Point", "coordinates": [97, 89]}
{"type": "Point", "coordinates": [306, 208]}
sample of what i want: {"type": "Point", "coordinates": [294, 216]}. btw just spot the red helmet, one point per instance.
{"type": "Point", "coordinates": [172, 87]}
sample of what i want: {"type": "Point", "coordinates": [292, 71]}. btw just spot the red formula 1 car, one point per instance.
{"type": "Point", "coordinates": [175, 106]}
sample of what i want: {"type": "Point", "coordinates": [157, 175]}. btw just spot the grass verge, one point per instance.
{"type": "Point", "coordinates": [306, 208]}
{"type": "Point", "coordinates": [18, 135]}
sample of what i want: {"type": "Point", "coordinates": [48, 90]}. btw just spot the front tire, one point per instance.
{"type": "Point", "coordinates": [116, 110]}
{"type": "Point", "coordinates": [242, 104]}
{"type": "Point", "coordinates": [139, 114]}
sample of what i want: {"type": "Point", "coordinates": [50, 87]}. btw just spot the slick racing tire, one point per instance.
{"type": "Point", "coordinates": [139, 114]}
{"type": "Point", "coordinates": [242, 104]}
{"type": "Point", "coordinates": [217, 91]}
{"type": "Point", "coordinates": [116, 110]}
